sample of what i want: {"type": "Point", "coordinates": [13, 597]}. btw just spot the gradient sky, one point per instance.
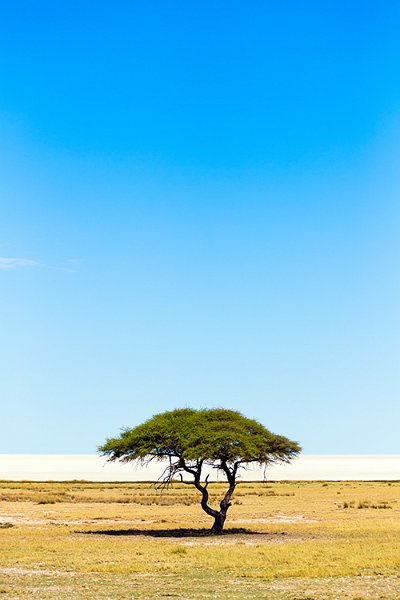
{"type": "Point", "coordinates": [199, 207]}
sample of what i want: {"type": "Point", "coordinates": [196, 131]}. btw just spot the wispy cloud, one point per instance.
{"type": "Point", "coordinates": [15, 263]}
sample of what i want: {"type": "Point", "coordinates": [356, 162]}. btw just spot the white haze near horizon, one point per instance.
{"type": "Point", "coordinates": [17, 467]}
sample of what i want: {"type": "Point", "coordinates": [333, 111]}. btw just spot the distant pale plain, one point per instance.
{"type": "Point", "coordinates": [17, 467]}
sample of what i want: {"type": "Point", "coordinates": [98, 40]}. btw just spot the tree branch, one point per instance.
{"type": "Point", "coordinates": [231, 477]}
{"type": "Point", "coordinates": [185, 482]}
{"type": "Point", "coordinates": [202, 488]}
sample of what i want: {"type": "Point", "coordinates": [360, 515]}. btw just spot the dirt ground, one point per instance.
{"type": "Point", "coordinates": [286, 540]}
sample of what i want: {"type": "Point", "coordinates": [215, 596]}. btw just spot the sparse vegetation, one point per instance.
{"type": "Point", "coordinates": [102, 541]}
{"type": "Point", "coordinates": [366, 504]}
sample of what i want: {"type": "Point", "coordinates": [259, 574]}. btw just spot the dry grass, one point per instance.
{"type": "Point", "coordinates": [289, 540]}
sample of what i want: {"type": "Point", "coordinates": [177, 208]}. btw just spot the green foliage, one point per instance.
{"type": "Point", "coordinates": [210, 435]}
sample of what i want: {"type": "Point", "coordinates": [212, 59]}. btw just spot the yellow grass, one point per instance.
{"type": "Point", "coordinates": [293, 540]}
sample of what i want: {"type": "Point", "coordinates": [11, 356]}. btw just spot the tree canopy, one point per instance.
{"type": "Point", "coordinates": [190, 439]}
{"type": "Point", "coordinates": [208, 434]}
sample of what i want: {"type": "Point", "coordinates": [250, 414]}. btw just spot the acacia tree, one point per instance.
{"type": "Point", "coordinates": [194, 439]}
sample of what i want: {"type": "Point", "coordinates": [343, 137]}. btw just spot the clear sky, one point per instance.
{"type": "Point", "coordinates": [199, 207]}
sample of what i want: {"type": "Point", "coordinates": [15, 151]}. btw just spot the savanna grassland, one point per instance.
{"type": "Point", "coordinates": [286, 540]}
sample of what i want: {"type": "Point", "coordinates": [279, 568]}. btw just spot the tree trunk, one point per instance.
{"type": "Point", "coordinates": [219, 521]}
{"type": "Point", "coordinates": [219, 516]}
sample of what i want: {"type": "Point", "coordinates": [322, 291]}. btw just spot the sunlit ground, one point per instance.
{"type": "Point", "coordinates": [294, 540]}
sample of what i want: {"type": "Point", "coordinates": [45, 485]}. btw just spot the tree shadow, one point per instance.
{"type": "Point", "coordinates": [175, 533]}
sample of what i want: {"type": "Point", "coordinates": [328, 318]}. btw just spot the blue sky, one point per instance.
{"type": "Point", "coordinates": [199, 206]}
